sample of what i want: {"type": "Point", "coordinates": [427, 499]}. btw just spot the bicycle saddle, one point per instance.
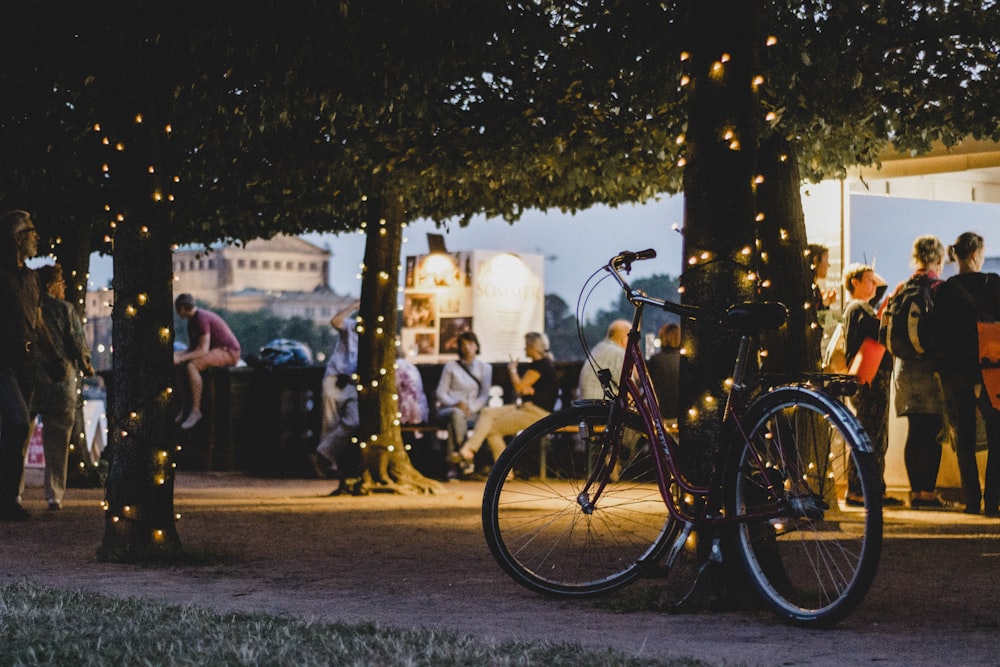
{"type": "Point", "coordinates": [751, 318]}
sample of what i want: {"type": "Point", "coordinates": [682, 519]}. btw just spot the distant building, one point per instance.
{"type": "Point", "coordinates": [285, 275]}
{"type": "Point", "coordinates": [277, 265]}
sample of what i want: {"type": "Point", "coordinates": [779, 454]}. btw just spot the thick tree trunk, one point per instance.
{"type": "Point", "coordinates": [139, 513]}
{"type": "Point", "coordinates": [719, 242]}
{"type": "Point", "coordinates": [387, 465]}
{"type": "Point", "coordinates": [795, 348]}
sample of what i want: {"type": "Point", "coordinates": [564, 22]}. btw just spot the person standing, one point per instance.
{"type": "Point", "coordinates": [960, 302]}
{"type": "Point", "coordinates": [412, 400]}
{"type": "Point", "coordinates": [211, 344]}
{"type": "Point", "coordinates": [537, 389]}
{"type": "Point", "coordinates": [21, 332]}
{"type": "Point", "coordinates": [56, 402]}
{"type": "Point", "coordinates": [818, 257]}
{"type": "Point", "coordinates": [665, 370]}
{"type": "Point", "coordinates": [871, 402]}
{"type": "Point", "coordinates": [462, 393]}
{"type": "Point", "coordinates": [340, 394]}
{"type": "Point", "coordinates": [608, 354]}
{"type": "Point", "coordinates": [918, 392]}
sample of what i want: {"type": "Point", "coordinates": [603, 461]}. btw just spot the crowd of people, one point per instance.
{"type": "Point", "coordinates": [939, 386]}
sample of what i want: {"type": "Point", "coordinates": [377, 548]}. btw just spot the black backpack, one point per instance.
{"type": "Point", "coordinates": [907, 327]}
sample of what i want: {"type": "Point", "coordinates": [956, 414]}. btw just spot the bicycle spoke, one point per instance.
{"type": "Point", "coordinates": [543, 535]}
{"type": "Point", "coordinates": [814, 560]}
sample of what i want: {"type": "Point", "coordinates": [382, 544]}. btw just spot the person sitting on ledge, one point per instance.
{"type": "Point", "coordinates": [211, 344]}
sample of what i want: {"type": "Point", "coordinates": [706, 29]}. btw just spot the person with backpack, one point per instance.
{"type": "Point", "coordinates": [910, 338]}
{"type": "Point", "coordinates": [871, 402]}
{"type": "Point", "coordinates": [960, 302]}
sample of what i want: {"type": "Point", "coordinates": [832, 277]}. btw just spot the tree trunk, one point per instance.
{"type": "Point", "coordinates": [139, 512]}
{"type": "Point", "coordinates": [719, 211]}
{"type": "Point", "coordinates": [795, 348]}
{"type": "Point", "coordinates": [719, 245]}
{"type": "Point", "coordinates": [387, 465]}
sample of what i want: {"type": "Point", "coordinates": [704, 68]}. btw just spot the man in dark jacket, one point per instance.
{"type": "Point", "coordinates": [22, 333]}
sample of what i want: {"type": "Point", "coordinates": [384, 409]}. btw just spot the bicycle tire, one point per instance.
{"type": "Point", "coordinates": [815, 561]}
{"type": "Point", "coordinates": [538, 531]}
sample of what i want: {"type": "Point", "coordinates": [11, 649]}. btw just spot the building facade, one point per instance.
{"type": "Point", "coordinates": [285, 275]}
{"type": "Point", "coordinates": [277, 265]}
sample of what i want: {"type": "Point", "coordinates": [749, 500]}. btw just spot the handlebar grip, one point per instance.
{"type": "Point", "coordinates": [626, 257]}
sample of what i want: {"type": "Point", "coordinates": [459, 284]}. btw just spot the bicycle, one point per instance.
{"type": "Point", "coordinates": [593, 496]}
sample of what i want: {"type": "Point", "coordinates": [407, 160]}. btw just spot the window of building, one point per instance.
{"type": "Point", "coordinates": [201, 264]}
{"type": "Point", "coordinates": [302, 266]}
{"type": "Point", "coordinates": [190, 265]}
{"type": "Point", "coordinates": [266, 264]}
{"type": "Point", "coordinates": [241, 264]}
{"type": "Point", "coordinates": [313, 266]}
{"type": "Point", "coordinates": [290, 266]}
{"type": "Point", "coordinates": [211, 264]}
{"type": "Point", "coordinates": [253, 263]}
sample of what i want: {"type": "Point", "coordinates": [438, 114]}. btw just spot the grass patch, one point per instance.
{"type": "Point", "coordinates": [44, 626]}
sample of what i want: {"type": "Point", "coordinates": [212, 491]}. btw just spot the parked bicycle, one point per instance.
{"type": "Point", "coordinates": [593, 496]}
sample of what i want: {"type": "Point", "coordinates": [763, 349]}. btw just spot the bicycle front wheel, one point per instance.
{"type": "Point", "coordinates": [546, 534]}
{"type": "Point", "coordinates": [814, 557]}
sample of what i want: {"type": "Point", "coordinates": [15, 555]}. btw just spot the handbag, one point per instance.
{"type": "Point", "coordinates": [989, 359]}
{"type": "Point", "coordinates": [866, 362]}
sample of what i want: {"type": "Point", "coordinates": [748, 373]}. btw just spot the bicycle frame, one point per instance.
{"type": "Point", "coordinates": [636, 392]}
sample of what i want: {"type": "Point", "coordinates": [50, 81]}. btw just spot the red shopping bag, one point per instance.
{"type": "Point", "coordinates": [865, 364]}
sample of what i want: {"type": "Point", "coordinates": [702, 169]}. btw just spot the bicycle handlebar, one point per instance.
{"type": "Point", "coordinates": [623, 262]}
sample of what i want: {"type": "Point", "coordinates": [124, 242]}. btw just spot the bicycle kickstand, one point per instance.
{"type": "Point", "coordinates": [714, 558]}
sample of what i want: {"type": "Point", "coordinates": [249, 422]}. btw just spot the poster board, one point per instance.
{"type": "Point", "coordinates": [498, 295]}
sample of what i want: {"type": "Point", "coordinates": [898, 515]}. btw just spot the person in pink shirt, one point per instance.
{"type": "Point", "coordinates": [211, 343]}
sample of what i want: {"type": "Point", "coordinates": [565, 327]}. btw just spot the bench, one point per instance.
{"type": "Point", "coordinates": [266, 421]}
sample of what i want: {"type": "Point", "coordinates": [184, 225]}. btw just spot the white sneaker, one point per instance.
{"type": "Point", "coordinates": [192, 419]}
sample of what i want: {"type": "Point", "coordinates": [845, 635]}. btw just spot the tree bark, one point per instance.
{"type": "Point", "coordinates": [139, 505]}
{"type": "Point", "coordinates": [719, 243]}
{"type": "Point", "coordinates": [387, 465]}
{"type": "Point", "coordinates": [139, 511]}
{"type": "Point", "coordinates": [795, 348]}
{"type": "Point", "coordinates": [719, 246]}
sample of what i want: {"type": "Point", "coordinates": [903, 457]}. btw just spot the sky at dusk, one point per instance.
{"type": "Point", "coordinates": [573, 246]}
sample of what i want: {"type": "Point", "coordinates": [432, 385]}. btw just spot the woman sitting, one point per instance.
{"type": "Point", "coordinates": [462, 393]}
{"type": "Point", "coordinates": [538, 389]}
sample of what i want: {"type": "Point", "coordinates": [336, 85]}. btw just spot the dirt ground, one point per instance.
{"type": "Point", "coordinates": [284, 547]}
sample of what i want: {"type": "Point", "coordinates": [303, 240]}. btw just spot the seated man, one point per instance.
{"type": "Point", "coordinates": [609, 354]}
{"type": "Point", "coordinates": [211, 343]}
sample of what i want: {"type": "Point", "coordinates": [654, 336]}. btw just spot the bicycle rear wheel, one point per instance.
{"type": "Point", "coordinates": [542, 532]}
{"type": "Point", "coordinates": [815, 558]}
